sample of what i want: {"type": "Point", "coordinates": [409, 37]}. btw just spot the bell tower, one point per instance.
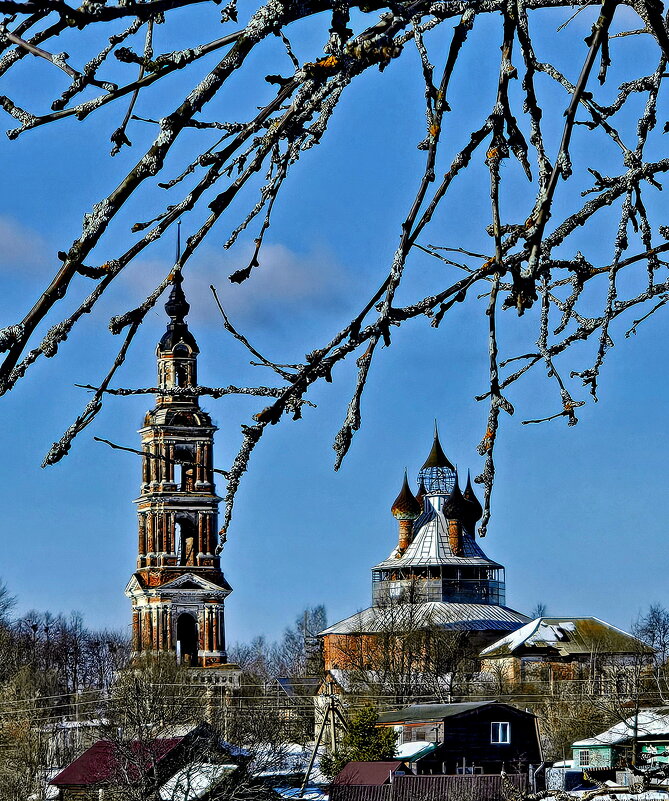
{"type": "Point", "coordinates": [178, 590]}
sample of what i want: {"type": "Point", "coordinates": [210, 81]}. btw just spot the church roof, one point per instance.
{"type": "Point", "coordinates": [460, 617]}
{"type": "Point", "coordinates": [437, 457]}
{"type": "Point", "coordinates": [431, 547]}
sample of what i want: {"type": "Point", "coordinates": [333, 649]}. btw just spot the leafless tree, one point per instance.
{"type": "Point", "coordinates": [532, 259]}
{"type": "Point", "coordinates": [408, 657]}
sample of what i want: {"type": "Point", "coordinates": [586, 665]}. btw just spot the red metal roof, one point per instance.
{"type": "Point", "coordinates": [104, 761]}
{"type": "Point", "coordinates": [369, 773]}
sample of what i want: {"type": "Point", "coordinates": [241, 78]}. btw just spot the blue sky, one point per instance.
{"type": "Point", "coordinates": [579, 513]}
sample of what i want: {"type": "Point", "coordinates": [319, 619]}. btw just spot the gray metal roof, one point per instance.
{"type": "Point", "coordinates": [430, 712]}
{"type": "Point", "coordinates": [463, 617]}
{"type": "Point", "coordinates": [431, 546]}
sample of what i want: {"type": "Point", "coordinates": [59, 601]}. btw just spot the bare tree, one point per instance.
{"type": "Point", "coordinates": [653, 628]}
{"type": "Point", "coordinates": [528, 251]}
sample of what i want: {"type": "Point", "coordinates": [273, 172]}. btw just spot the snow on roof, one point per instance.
{"type": "Point", "coordinates": [416, 750]}
{"type": "Point", "coordinates": [567, 635]}
{"type": "Point", "coordinates": [193, 781]}
{"type": "Point", "coordinates": [648, 723]}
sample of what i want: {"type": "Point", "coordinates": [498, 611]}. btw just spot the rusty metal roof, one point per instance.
{"type": "Point", "coordinates": [566, 636]}
{"type": "Point", "coordinates": [368, 773]}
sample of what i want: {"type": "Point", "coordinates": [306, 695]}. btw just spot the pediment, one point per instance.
{"type": "Point", "coordinates": [191, 581]}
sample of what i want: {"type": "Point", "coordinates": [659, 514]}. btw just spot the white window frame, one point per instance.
{"type": "Point", "coordinates": [581, 763]}
{"type": "Point", "coordinates": [503, 732]}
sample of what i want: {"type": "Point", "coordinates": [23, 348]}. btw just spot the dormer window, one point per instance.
{"type": "Point", "coordinates": [500, 733]}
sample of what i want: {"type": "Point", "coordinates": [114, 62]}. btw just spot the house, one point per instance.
{"type": "Point", "coordinates": [585, 649]}
{"type": "Point", "coordinates": [643, 738]}
{"type": "Point", "coordinates": [150, 763]}
{"type": "Point", "coordinates": [480, 737]}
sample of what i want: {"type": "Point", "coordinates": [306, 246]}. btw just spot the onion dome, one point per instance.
{"type": "Point", "coordinates": [437, 457]}
{"type": "Point", "coordinates": [177, 307]}
{"type": "Point", "coordinates": [422, 492]}
{"type": "Point", "coordinates": [455, 506]}
{"type": "Point", "coordinates": [405, 506]}
{"type": "Point", "coordinates": [473, 508]}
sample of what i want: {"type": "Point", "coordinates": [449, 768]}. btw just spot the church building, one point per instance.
{"type": "Point", "coordinates": [436, 576]}
{"type": "Point", "coordinates": [178, 591]}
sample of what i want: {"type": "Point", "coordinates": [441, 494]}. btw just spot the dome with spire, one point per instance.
{"type": "Point", "coordinates": [405, 506]}
{"type": "Point", "coordinates": [438, 473]}
{"type": "Point", "coordinates": [177, 307]}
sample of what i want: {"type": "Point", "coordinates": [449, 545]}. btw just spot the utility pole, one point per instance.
{"type": "Point", "coordinates": [331, 711]}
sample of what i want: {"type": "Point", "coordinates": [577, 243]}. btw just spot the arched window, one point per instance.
{"type": "Point", "coordinates": [187, 638]}
{"type": "Point", "coordinates": [182, 365]}
{"type": "Point", "coordinates": [184, 474]}
{"type": "Point", "coordinates": [185, 541]}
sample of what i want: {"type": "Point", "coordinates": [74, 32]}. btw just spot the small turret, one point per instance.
{"type": "Point", "coordinates": [454, 510]}
{"type": "Point", "coordinates": [420, 495]}
{"type": "Point", "coordinates": [177, 350]}
{"type": "Point", "coordinates": [405, 510]}
{"type": "Point", "coordinates": [473, 508]}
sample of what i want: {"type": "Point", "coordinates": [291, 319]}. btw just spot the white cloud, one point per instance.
{"type": "Point", "coordinates": [21, 248]}
{"type": "Point", "coordinates": [285, 284]}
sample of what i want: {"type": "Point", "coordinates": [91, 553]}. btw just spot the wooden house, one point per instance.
{"type": "Point", "coordinates": [483, 737]}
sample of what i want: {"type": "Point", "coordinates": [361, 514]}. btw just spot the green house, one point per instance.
{"type": "Point", "coordinates": [613, 748]}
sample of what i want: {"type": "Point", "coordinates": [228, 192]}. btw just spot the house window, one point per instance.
{"type": "Point", "coordinates": [500, 733]}
{"type": "Point", "coordinates": [584, 759]}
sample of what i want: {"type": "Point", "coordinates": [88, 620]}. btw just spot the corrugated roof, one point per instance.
{"type": "Point", "coordinates": [461, 617]}
{"type": "Point", "coordinates": [431, 546]}
{"type": "Point", "coordinates": [430, 712]}
{"type": "Point", "coordinates": [567, 636]}
{"type": "Point", "coordinates": [367, 773]}
{"type": "Point", "coordinates": [102, 761]}
{"type": "Point", "coordinates": [487, 787]}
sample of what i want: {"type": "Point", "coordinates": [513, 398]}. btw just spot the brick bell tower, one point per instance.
{"type": "Point", "coordinates": [178, 590]}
